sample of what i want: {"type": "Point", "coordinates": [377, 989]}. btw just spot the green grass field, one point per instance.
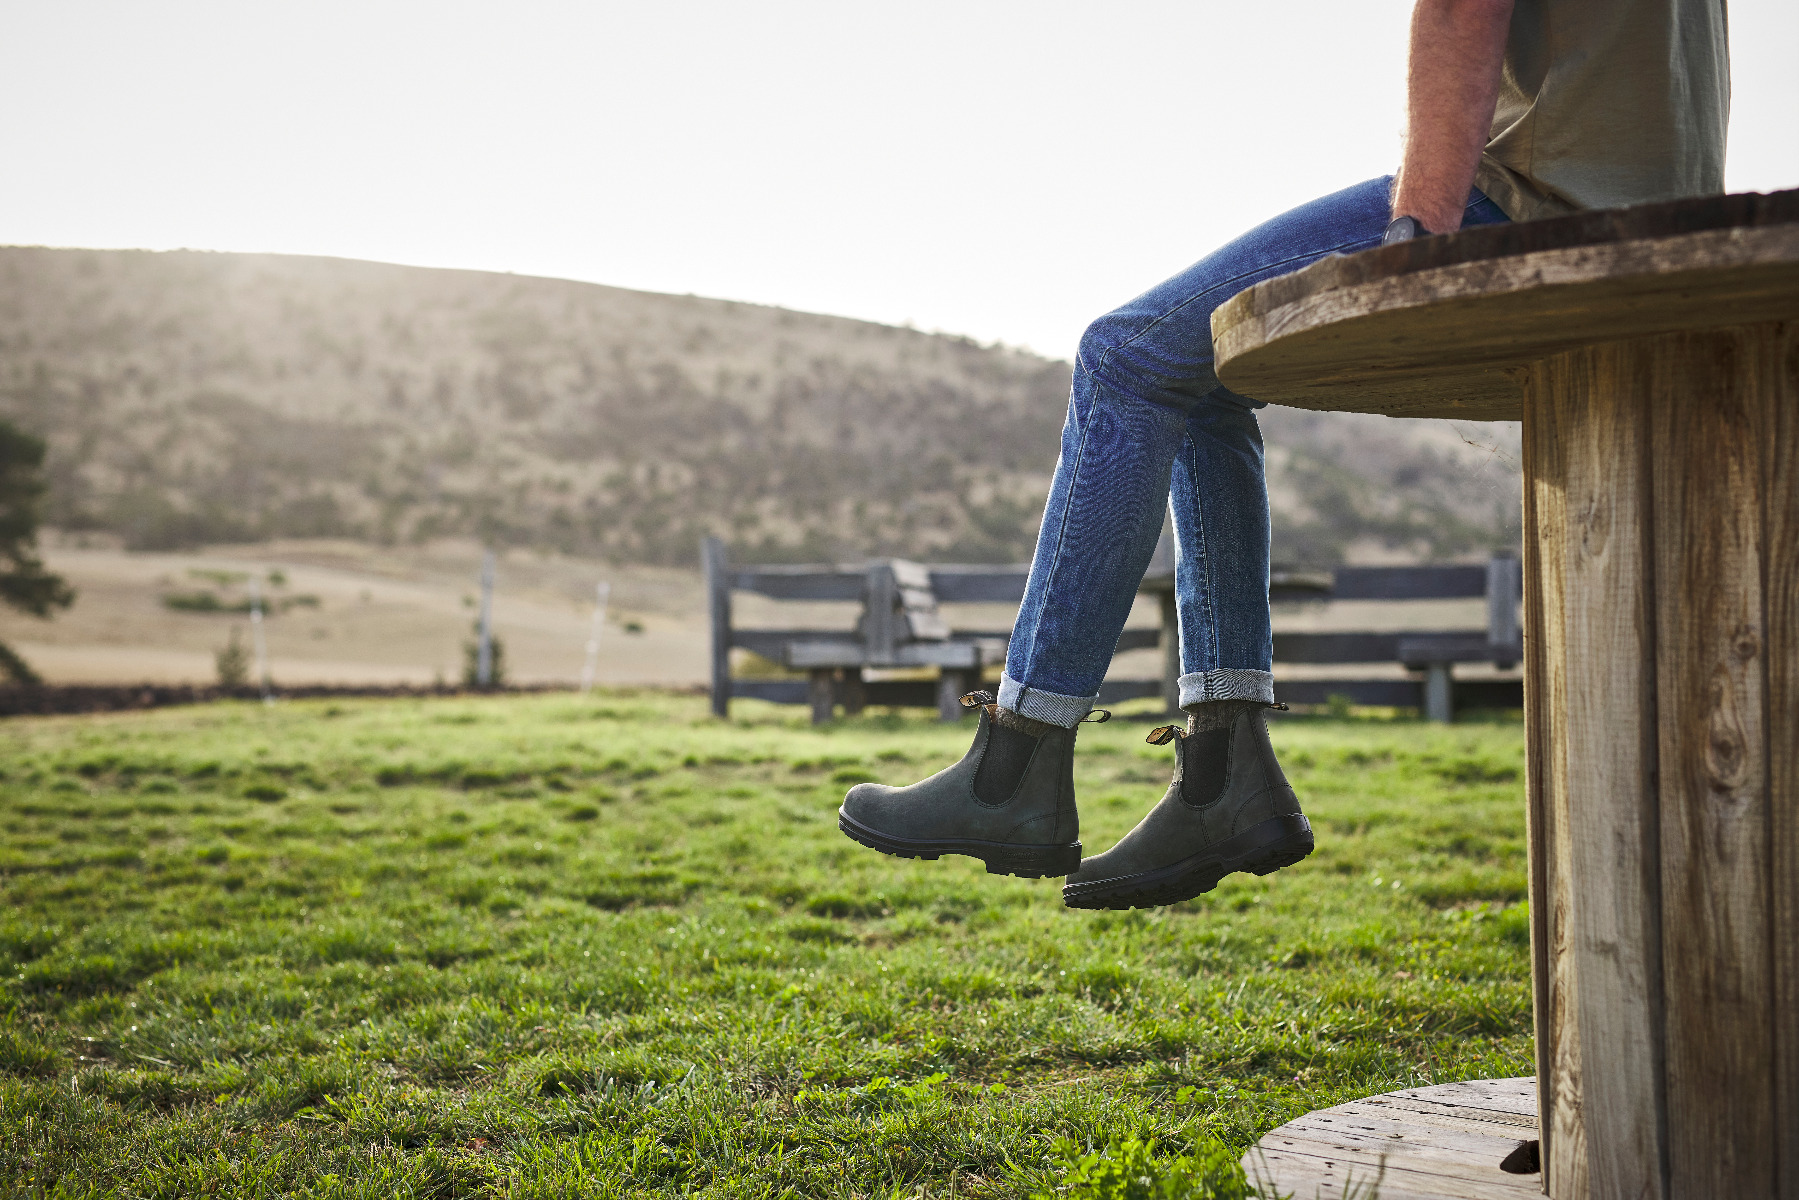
{"type": "Point", "coordinates": [607, 946]}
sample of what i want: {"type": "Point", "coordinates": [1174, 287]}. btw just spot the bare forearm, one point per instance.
{"type": "Point", "coordinates": [1452, 83]}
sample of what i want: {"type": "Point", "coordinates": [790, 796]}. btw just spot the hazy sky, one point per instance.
{"type": "Point", "coordinates": [1006, 170]}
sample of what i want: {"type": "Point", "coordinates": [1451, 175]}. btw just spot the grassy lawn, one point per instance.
{"type": "Point", "coordinates": [561, 946]}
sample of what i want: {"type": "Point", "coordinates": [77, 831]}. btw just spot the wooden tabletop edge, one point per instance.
{"type": "Point", "coordinates": [1266, 312]}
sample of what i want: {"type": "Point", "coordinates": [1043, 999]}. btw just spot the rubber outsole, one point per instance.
{"type": "Point", "coordinates": [1000, 858]}
{"type": "Point", "coordinates": [1262, 849]}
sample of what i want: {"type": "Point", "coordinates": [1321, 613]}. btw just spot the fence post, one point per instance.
{"type": "Point", "coordinates": [1439, 694]}
{"type": "Point", "coordinates": [718, 598]}
{"type": "Point", "coordinates": [881, 616]}
{"type": "Point", "coordinates": [602, 592]}
{"type": "Point", "coordinates": [1504, 586]}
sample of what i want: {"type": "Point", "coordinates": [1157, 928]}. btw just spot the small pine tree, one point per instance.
{"type": "Point", "coordinates": [233, 663]}
{"type": "Point", "coordinates": [471, 661]}
{"type": "Point", "coordinates": [24, 584]}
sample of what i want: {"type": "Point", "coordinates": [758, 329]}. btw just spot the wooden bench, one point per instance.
{"type": "Point", "coordinates": [1432, 652]}
{"type": "Point", "coordinates": [901, 627]}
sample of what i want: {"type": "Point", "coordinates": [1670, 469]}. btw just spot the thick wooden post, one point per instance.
{"type": "Point", "coordinates": [1662, 650]}
{"type": "Point", "coordinates": [1605, 1118]}
{"type": "Point", "coordinates": [1561, 1131]}
{"type": "Point", "coordinates": [1711, 689]}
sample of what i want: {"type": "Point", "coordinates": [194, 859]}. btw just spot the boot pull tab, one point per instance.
{"type": "Point", "coordinates": [1103, 715]}
{"type": "Point", "coordinates": [977, 699]}
{"type": "Point", "coordinates": [1165, 734]}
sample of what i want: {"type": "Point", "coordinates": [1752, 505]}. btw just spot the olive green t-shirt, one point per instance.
{"type": "Point", "coordinates": [1604, 103]}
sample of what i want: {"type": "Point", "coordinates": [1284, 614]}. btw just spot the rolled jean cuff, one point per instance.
{"type": "Point", "coordinates": [1226, 683]}
{"type": "Point", "coordinates": [1049, 707]}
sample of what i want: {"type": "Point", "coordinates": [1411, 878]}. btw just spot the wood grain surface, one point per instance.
{"type": "Point", "coordinates": [1642, 222]}
{"type": "Point", "coordinates": [1539, 455]}
{"type": "Point", "coordinates": [1595, 399]}
{"type": "Point", "coordinates": [1779, 422]}
{"type": "Point", "coordinates": [1662, 642]}
{"type": "Point", "coordinates": [1443, 1142]}
{"type": "Point", "coordinates": [1554, 973]}
{"type": "Point", "coordinates": [1449, 341]}
{"type": "Point", "coordinates": [1711, 656]}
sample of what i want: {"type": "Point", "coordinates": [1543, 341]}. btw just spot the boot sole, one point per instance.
{"type": "Point", "coordinates": [1262, 849]}
{"type": "Point", "coordinates": [1000, 858]}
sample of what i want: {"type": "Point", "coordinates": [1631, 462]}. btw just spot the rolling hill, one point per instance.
{"type": "Point", "coordinates": [195, 397]}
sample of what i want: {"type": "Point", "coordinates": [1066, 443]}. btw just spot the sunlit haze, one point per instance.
{"type": "Point", "coordinates": [1003, 170]}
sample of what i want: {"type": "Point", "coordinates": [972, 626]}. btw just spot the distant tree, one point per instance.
{"type": "Point", "coordinates": [233, 663]}
{"type": "Point", "coordinates": [24, 584]}
{"type": "Point", "coordinates": [471, 661]}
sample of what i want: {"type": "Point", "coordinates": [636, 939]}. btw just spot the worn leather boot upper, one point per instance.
{"type": "Point", "coordinates": [1009, 802]}
{"type": "Point", "coordinates": [1229, 807]}
{"type": "Point", "coordinates": [959, 804]}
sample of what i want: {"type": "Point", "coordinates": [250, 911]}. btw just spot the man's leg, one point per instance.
{"type": "Point", "coordinates": [1229, 807]}
{"type": "Point", "coordinates": [1144, 392]}
{"type": "Point", "coordinates": [1146, 397]}
{"type": "Point", "coordinates": [1219, 500]}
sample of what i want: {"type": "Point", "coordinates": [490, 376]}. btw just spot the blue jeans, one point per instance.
{"type": "Point", "coordinates": [1150, 428]}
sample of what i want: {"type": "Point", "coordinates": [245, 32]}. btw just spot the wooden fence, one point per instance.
{"type": "Point", "coordinates": [901, 627]}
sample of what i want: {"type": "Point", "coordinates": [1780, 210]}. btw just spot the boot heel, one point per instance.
{"type": "Point", "coordinates": [1291, 842]}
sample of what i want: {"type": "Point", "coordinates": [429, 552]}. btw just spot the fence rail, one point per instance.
{"type": "Point", "coordinates": [900, 626]}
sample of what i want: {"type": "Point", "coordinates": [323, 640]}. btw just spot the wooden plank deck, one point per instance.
{"type": "Point", "coordinates": [1431, 1143]}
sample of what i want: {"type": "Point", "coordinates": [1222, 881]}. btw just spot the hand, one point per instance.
{"type": "Point", "coordinates": [1452, 84]}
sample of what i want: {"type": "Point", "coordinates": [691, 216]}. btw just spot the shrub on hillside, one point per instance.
{"type": "Point", "coordinates": [24, 584]}
{"type": "Point", "coordinates": [232, 662]}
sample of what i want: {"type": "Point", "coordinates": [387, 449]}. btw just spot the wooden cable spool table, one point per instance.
{"type": "Point", "coordinates": [1652, 354]}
